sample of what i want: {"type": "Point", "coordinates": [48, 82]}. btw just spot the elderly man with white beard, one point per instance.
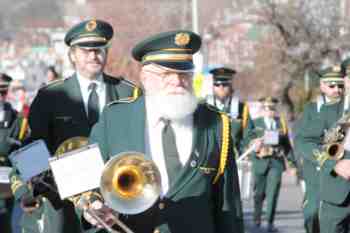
{"type": "Point", "coordinates": [190, 143]}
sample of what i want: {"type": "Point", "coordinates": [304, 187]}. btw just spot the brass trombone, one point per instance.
{"type": "Point", "coordinates": [130, 184]}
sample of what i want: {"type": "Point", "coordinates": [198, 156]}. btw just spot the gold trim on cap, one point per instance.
{"type": "Point", "coordinates": [330, 79]}
{"type": "Point", "coordinates": [182, 39]}
{"type": "Point", "coordinates": [176, 49]}
{"type": "Point", "coordinates": [91, 25]}
{"type": "Point", "coordinates": [167, 57]}
{"type": "Point", "coordinates": [88, 39]}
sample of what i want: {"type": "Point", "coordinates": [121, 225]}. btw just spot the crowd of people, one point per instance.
{"type": "Point", "coordinates": [194, 143]}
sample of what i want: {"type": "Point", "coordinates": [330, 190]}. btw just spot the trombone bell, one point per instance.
{"type": "Point", "coordinates": [130, 184]}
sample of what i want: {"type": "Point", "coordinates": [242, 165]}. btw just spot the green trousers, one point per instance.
{"type": "Point", "coordinates": [6, 206]}
{"type": "Point", "coordinates": [335, 218]}
{"type": "Point", "coordinates": [311, 208]}
{"type": "Point", "coordinates": [267, 186]}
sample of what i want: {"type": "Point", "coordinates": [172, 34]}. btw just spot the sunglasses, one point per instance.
{"type": "Point", "coordinates": [340, 86]}
{"type": "Point", "coordinates": [222, 84]}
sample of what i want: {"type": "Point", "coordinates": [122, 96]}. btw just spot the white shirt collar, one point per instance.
{"type": "Point", "coordinates": [85, 82]}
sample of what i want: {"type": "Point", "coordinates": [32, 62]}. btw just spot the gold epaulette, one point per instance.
{"type": "Point", "coordinates": [225, 145]}
{"type": "Point", "coordinates": [54, 82]}
{"type": "Point", "coordinates": [122, 101]}
{"type": "Point", "coordinates": [136, 93]}
{"type": "Point", "coordinates": [245, 116]}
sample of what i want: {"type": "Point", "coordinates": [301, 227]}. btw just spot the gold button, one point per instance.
{"type": "Point", "coordinates": [156, 231]}
{"type": "Point", "coordinates": [161, 205]}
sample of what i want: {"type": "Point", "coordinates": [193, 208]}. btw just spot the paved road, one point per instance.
{"type": "Point", "coordinates": [289, 217]}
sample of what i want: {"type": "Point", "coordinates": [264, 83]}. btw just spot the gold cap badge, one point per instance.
{"type": "Point", "coordinates": [182, 39]}
{"type": "Point", "coordinates": [91, 25]}
{"type": "Point", "coordinates": [336, 69]}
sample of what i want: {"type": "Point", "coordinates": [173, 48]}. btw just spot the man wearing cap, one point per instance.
{"type": "Point", "coordinates": [10, 125]}
{"type": "Point", "coordinates": [268, 161]}
{"type": "Point", "coordinates": [223, 98]}
{"type": "Point", "coordinates": [189, 142]}
{"type": "Point", "coordinates": [332, 88]}
{"type": "Point", "coordinates": [68, 108]}
{"type": "Point", "coordinates": [334, 210]}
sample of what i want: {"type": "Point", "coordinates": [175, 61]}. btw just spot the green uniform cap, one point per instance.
{"type": "Point", "coordinates": [345, 67]}
{"type": "Point", "coordinates": [331, 75]}
{"type": "Point", "coordinates": [5, 81]}
{"type": "Point", "coordinates": [172, 49]}
{"type": "Point", "coordinates": [222, 75]}
{"type": "Point", "coordinates": [90, 34]}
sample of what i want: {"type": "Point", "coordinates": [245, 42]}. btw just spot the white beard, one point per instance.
{"type": "Point", "coordinates": [174, 107]}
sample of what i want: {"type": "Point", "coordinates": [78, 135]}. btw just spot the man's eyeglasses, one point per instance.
{"type": "Point", "coordinates": [222, 84]}
{"type": "Point", "coordinates": [340, 86]}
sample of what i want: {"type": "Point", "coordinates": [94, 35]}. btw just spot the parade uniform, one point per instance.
{"type": "Point", "coordinates": [204, 193]}
{"type": "Point", "coordinates": [269, 168]}
{"type": "Point", "coordinates": [219, 204]}
{"type": "Point", "coordinates": [10, 137]}
{"type": "Point", "coordinates": [310, 170]}
{"type": "Point", "coordinates": [59, 112]}
{"type": "Point", "coordinates": [333, 190]}
{"type": "Point", "coordinates": [238, 111]}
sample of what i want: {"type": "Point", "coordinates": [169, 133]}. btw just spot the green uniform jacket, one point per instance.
{"type": "Point", "coordinates": [56, 114]}
{"type": "Point", "coordinates": [310, 165]}
{"type": "Point", "coordinates": [242, 127]}
{"type": "Point", "coordinates": [333, 188]}
{"type": "Point", "coordinates": [194, 204]}
{"type": "Point", "coordinates": [276, 161]}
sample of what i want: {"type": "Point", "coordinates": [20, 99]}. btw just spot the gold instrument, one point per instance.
{"type": "Point", "coordinates": [130, 184]}
{"type": "Point", "coordinates": [265, 151]}
{"type": "Point", "coordinates": [70, 145]}
{"type": "Point", "coordinates": [334, 137]}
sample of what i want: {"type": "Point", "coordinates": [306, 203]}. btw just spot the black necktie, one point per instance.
{"type": "Point", "coordinates": [171, 155]}
{"type": "Point", "coordinates": [93, 105]}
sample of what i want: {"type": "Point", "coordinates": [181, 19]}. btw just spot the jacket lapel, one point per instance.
{"type": "Point", "coordinates": [75, 96]}
{"type": "Point", "coordinates": [191, 167]}
{"type": "Point", "coordinates": [138, 122]}
{"type": "Point", "coordinates": [111, 90]}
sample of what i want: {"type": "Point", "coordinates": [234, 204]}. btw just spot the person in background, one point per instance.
{"type": "Point", "coordinates": [225, 100]}
{"type": "Point", "coordinates": [269, 161]}
{"type": "Point", "coordinates": [64, 109]}
{"type": "Point", "coordinates": [10, 139]}
{"type": "Point", "coordinates": [332, 89]}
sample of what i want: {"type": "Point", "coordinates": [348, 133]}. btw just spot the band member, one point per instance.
{"type": "Point", "coordinates": [225, 100]}
{"type": "Point", "coordinates": [200, 190]}
{"type": "Point", "coordinates": [68, 108]}
{"type": "Point", "coordinates": [318, 137]}
{"type": "Point", "coordinates": [269, 161]}
{"type": "Point", "coordinates": [11, 137]}
{"type": "Point", "coordinates": [332, 88]}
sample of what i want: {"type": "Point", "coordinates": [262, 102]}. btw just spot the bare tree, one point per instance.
{"type": "Point", "coordinates": [308, 34]}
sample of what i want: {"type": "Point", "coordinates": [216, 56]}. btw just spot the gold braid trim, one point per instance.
{"type": "Point", "coordinates": [284, 124]}
{"type": "Point", "coordinates": [136, 93]}
{"type": "Point", "coordinates": [245, 116]}
{"type": "Point", "coordinates": [23, 129]}
{"type": "Point", "coordinates": [15, 184]}
{"type": "Point", "coordinates": [224, 147]}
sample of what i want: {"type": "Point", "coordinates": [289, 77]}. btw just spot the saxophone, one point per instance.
{"type": "Point", "coordinates": [334, 137]}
